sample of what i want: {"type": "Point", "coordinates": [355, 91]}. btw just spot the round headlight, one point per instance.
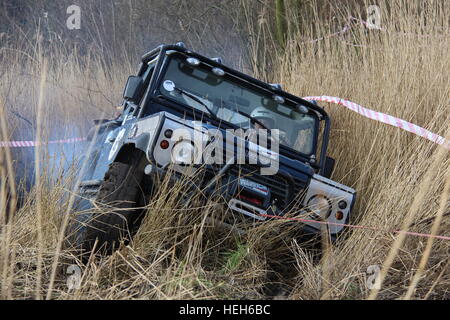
{"type": "Point", "coordinates": [320, 206]}
{"type": "Point", "coordinates": [183, 152]}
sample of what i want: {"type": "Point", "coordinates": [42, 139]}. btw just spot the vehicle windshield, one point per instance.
{"type": "Point", "coordinates": [230, 99]}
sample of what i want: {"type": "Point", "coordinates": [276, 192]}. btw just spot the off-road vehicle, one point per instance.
{"type": "Point", "coordinates": [176, 90]}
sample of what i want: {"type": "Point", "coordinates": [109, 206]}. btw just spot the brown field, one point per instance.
{"type": "Point", "coordinates": [402, 180]}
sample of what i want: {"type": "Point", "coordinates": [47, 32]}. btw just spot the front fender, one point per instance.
{"type": "Point", "coordinates": [141, 134]}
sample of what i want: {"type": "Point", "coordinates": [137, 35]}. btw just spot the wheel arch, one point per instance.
{"type": "Point", "coordinates": [123, 155]}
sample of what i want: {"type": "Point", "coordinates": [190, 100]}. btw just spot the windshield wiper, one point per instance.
{"type": "Point", "coordinates": [253, 119]}
{"type": "Point", "coordinates": [190, 95]}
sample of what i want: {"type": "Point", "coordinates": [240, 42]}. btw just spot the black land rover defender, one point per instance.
{"type": "Point", "coordinates": [178, 93]}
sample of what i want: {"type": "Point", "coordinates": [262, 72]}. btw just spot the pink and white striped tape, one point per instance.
{"type": "Point", "coordinates": [385, 118]}
{"type": "Point", "coordinates": [368, 113]}
{"type": "Point", "coordinates": [24, 144]}
{"type": "Point", "coordinates": [349, 25]}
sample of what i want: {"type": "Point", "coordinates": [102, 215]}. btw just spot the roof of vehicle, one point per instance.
{"type": "Point", "coordinates": [271, 87]}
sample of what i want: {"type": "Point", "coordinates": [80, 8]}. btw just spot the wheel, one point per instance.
{"type": "Point", "coordinates": [120, 196]}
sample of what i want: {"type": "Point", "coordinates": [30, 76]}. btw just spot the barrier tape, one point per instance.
{"type": "Point", "coordinates": [27, 144]}
{"type": "Point", "coordinates": [417, 234]}
{"type": "Point", "coordinates": [384, 118]}
{"type": "Point", "coordinates": [367, 25]}
{"type": "Point", "coordinates": [345, 29]}
{"type": "Point", "coordinates": [368, 113]}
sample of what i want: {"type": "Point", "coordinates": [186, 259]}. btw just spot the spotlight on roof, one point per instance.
{"type": "Point", "coordinates": [180, 44]}
{"type": "Point", "coordinates": [217, 59]}
{"type": "Point", "coordinates": [193, 61]}
{"type": "Point", "coordinates": [302, 109]}
{"type": "Point", "coordinates": [218, 72]}
{"type": "Point", "coordinates": [276, 86]}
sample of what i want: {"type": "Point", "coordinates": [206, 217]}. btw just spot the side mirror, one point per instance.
{"type": "Point", "coordinates": [133, 89]}
{"type": "Point", "coordinates": [329, 166]}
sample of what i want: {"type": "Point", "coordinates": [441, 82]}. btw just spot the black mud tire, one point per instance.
{"type": "Point", "coordinates": [120, 196]}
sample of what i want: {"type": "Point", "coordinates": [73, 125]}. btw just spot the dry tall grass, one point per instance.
{"type": "Point", "coordinates": [401, 71]}
{"type": "Point", "coordinates": [177, 253]}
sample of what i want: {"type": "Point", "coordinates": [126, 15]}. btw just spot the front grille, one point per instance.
{"type": "Point", "coordinates": [278, 185]}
